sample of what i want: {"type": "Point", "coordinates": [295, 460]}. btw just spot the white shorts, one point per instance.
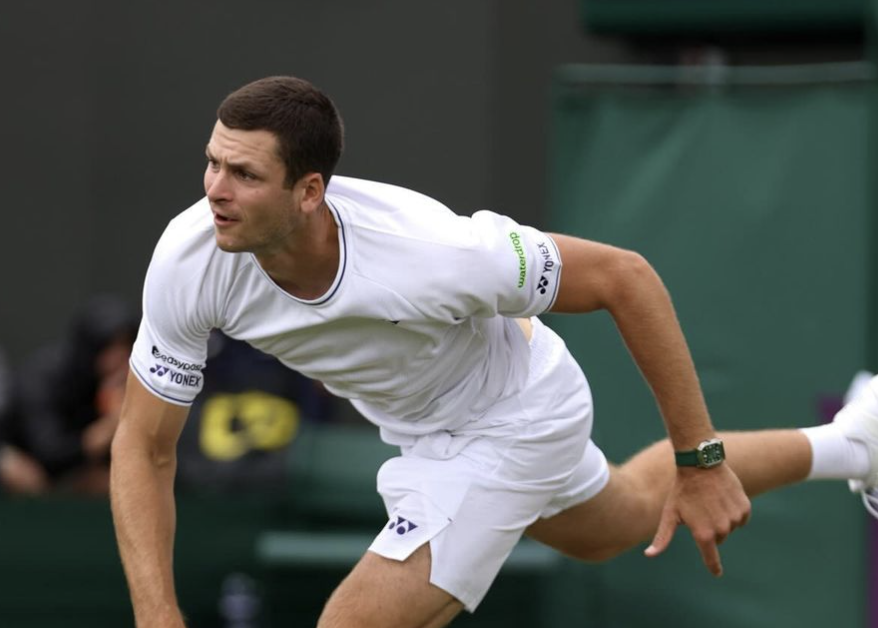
{"type": "Point", "coordinates": [472, 492]}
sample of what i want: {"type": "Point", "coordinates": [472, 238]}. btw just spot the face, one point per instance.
{"type": "Point", "coordinates": [244, 181]}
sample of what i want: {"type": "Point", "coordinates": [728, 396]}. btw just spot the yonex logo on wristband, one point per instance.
{"type": "Point", "coordinates": [401, 525]}
{"type": "Point", "coordinates": [542, 285]}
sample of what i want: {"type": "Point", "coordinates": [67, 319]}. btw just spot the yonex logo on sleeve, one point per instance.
{"type": "Point", "coordinates": [401, 525]}
{"type": "Point", "coordinates": [522, 259]}
{"type": "Point", "coordinates": [182, 379]}
{"type": "Point", "coordinates": [161, 371]}
{"type": "Point", "coordinates": [548, 266]}
{"type": "Point", "coordinates": [546, 253]}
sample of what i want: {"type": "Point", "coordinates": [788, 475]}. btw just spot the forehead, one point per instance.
{"type": "Point", "coordinates": [238, 145]}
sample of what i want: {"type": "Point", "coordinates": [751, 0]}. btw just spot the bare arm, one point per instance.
{"type": "Point", "coordinates": [141, 490]}
{"type": "Point", "coordinates": [597, 276]}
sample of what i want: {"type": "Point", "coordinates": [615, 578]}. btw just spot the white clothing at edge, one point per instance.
{"type": "Point", "coordinates": [416, 329]}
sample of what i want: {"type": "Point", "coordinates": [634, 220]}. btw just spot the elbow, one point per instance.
{"type": "Point", "coordinates": [634, 268]}
{"type": "Point", "coordinates": [602, 277]}
{"type": "Point", "coordinates": [633, 279]}
{"type": "Point", "coordinates": [129, 445]}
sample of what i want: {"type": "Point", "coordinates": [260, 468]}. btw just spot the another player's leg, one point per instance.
{"type": "Point", "coordinates": [385, 593]}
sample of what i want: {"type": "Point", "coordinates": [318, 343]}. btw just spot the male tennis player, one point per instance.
{"type": "Point", "coordinates": [428, 322]}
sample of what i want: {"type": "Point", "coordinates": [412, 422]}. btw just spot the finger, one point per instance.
{"type": "Point", "coordinates": [737, 521]}
{"type": "Point", "coordinates": [710, 555]}
{"type": "Point", "coordinates": [745, 519]}
{"type": "Point", "coordinates": [664, 534]}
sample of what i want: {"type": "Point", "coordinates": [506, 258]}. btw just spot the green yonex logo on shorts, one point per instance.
{"type": "Point", "coordinates": [522, 263]}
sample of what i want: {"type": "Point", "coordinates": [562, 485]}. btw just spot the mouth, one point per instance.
{"type": "Point", "coordinates": [223, 220]}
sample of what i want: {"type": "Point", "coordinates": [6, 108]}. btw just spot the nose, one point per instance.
{"type": "Point", "coordinates": [216, 186]}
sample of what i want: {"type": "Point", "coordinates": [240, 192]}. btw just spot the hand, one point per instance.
{"type": "Point", "coordinates": [711, 502]}
{"type": "Point", "coordinates": [19, 473]}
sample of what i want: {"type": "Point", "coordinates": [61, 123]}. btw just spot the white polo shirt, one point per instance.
{"type": "Point", "coordinates": [414, 329]}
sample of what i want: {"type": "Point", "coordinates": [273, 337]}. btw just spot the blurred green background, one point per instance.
{"type": "Point", "coordinates": [733, 143]}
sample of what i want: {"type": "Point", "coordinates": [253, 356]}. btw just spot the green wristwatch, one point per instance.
{"type": "Point", "coordinates": [708, 454]}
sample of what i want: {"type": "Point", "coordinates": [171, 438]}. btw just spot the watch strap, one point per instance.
{"type": "Point", "coordinates": [686, 458]}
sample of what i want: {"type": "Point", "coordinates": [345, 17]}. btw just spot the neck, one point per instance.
{"type": "Point", "coordinates": [308, 263]}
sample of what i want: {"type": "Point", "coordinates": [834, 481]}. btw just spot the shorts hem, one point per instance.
{"type": "Point", "coordinates": [592, 489]}
{"type": "Point", "coordinates": [468, 597]}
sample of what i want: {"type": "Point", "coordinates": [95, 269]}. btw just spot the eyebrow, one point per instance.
{"type": "Point", "coordinates": [239, 165]}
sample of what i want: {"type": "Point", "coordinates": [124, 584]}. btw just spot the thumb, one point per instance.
{"type": "Point", "coordinates": [664, 534]}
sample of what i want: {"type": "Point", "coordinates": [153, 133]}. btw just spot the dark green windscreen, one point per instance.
{"type": "Point", "coordinates": [753, 202]}
{"type": "Point", "coordinates": [632, 17]}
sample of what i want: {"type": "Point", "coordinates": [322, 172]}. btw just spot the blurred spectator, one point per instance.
{"type": "Point", "coordinates": [66, 404]}
{"type": "Point", "coordinates": [24, 474]}
{"type": "Point", "coordinates": [5, 394]}
{"type": "Point", "coordinates": [243, 421]}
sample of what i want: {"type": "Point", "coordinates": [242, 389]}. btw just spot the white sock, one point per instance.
{"type": "Point", "coordinates": [834, 455]}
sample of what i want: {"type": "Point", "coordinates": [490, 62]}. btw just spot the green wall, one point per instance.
{"type": "Point", "coordinates": [753, 202]}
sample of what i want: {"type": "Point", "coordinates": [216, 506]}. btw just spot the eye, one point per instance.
{"type": "Point", "coordinates": [212, 163]}
{"type": "Point", "coordinates": [245, 176]}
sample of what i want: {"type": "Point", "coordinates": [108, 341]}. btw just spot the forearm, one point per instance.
{"type": "Point", "coordinates": [601, 277]}
{"type": "Point", "coordinates": [141, 489]}
{"type": "Point", "coordinates": [644, 314]}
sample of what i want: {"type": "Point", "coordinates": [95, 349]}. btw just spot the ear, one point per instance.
{"type": "Point", "coordinates": [311, 190]}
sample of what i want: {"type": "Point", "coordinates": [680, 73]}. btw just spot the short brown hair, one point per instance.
{"type": "Point", "coordinates": [307, 125]}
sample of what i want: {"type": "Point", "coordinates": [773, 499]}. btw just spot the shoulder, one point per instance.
{"type": "Point", "coordinates": [187, 254]}
{"type": "Point", "coordinates": [388, 209]}
{"type": "Point", "coordinates": [394, 216]}
{"type": "Point", "coordinates": [187, 234]}
{"type": "Point", "coordinates": [421, 249]}
{"type": "Point", "coordinates": [380, 195]}
{"type": "Point", "coordinates": [188, 273]}
{"type": "Point", "coordinates": [182, 300]}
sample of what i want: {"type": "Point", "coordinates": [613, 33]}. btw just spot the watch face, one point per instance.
{"type": "Point", "coordinates": [711, 453]}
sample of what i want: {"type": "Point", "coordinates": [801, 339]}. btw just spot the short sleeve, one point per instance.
{"type": "Point", "coordinates": [170, 351]}
{"type": "Point", "coordinates": [510, 269]}
{"type": "Point", "coordinates": [167, 371]}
